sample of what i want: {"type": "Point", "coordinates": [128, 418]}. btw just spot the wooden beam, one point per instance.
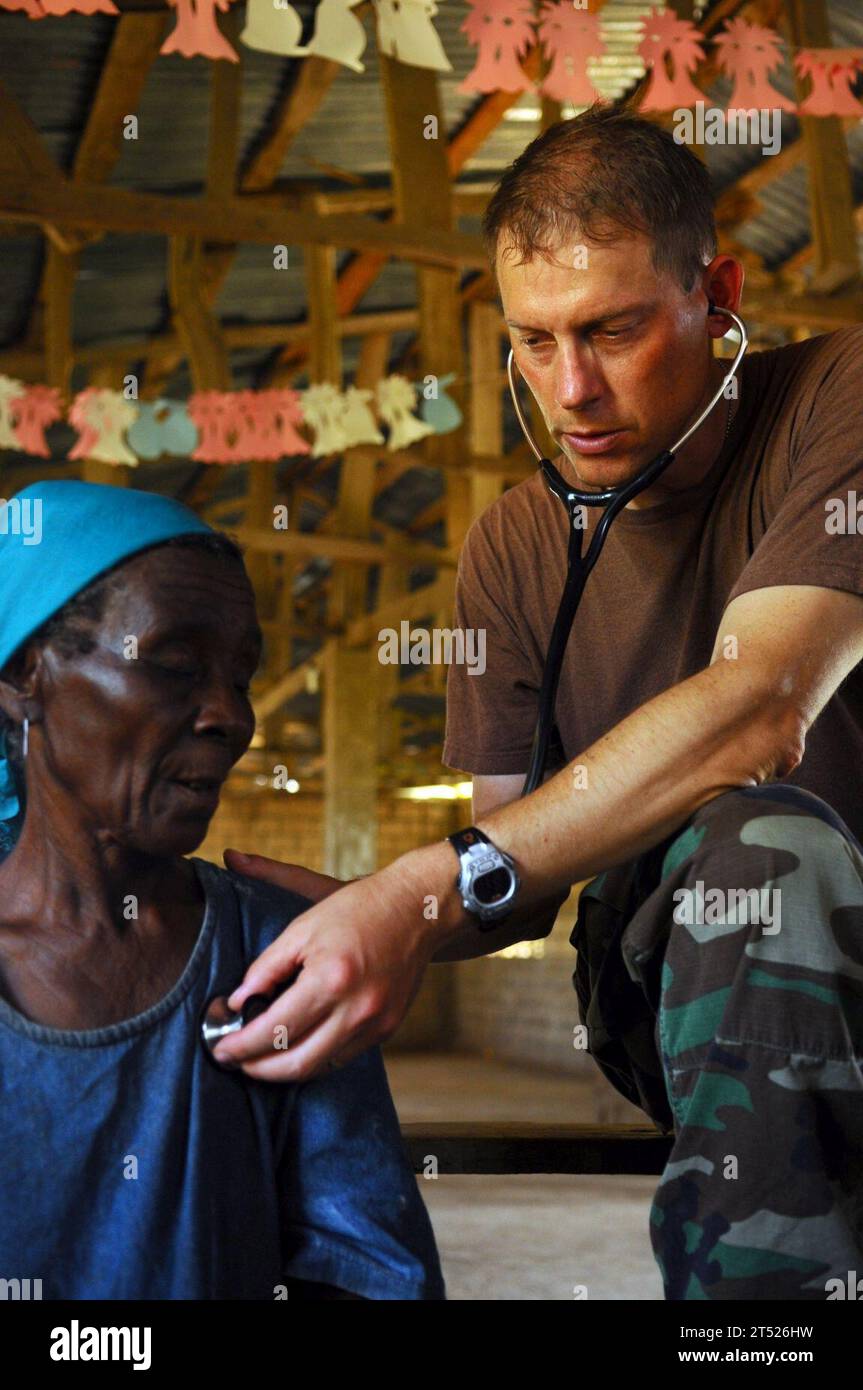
{"type": "Point", "coordinates": [314, 77]}
{"type": "Point", "coordinates": [834, 235]}
{"type": "Point", "coordinates": [59, 285]}
{"type": "Point", "coordinates": [352, 513]}
{"type": "Point", "coordinates": [419, 603]}
{"type": "Point", "coordinates": [360, 273]}
{"type": "Point", "coordinates": [325, 358]}
{"type": "Point", "coordinates": [486, 400]}
{"type": "Point", "coordinates": [422, 185]}
{"type": "Point", "coordinates": [285, 688]}
{"type": "Point", "coordinates": [344, 550]}
{"type": "Point", "coordinates": [804, 256]}
{"type": "Point", "coordinates": [825, 312]}
{"type": "Point", "coordinates": [197, 327]}
{"type": "Point", "coordinates": [134, 47]}
{"type": "Point", "coordinates": [28, 198]}
{"type": "Point", "coordinates": [23, 154]}
{"type": "Point", "coordinates": [28, 362]}
{"type": "Point", "coordinates": [350, 763]}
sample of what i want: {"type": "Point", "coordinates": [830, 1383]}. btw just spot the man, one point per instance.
{"type": "Point", "coordinates": [714, 657]}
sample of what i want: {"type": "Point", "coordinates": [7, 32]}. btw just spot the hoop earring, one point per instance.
{"type": "Point", "coordinates": [25, 739]}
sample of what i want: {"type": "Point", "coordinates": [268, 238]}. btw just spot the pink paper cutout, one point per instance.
{"type": "Point", "coordinates": [832, 71]}
{"type": "Point", "coordinates": [281, 410]}
{"type": "Point", "coordinates": [209, 411]}
{"type": "Point", "coordinates": [749, 53]}
{"type": "Point", "coordinates": [79, 7]}
{"type": "Point", "coordinates": [570, 37]}
{"type": "Point", "coordinates": [503, 30]}
{"type": "Point", "coordinates": [32, 7]}
{"type": "Point", "coordinates": [667, 36]}
{"type": "Point", "coordinates": [240, 427]}
{"type": "Point", "coordinates": [196, 31]}
{"type": "Point", "coordinates": [38, 407]}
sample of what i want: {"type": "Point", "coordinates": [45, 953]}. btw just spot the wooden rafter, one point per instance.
{"type": "Point", "coordinates": [834, 234]}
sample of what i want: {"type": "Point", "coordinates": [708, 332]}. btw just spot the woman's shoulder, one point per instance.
{"type": "Point", "coordinates": [263, 909]}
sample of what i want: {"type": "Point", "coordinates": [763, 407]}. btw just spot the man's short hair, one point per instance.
{"type": "Point", "coordinates": [605, 172]}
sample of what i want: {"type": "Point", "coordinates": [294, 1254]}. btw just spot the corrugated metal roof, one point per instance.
{"type": "Point", "coordinates": [52, 67]}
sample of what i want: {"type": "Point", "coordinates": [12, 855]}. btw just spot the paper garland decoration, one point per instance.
{"type": "Point", "coordinates": [40, 9]}
{"type": "Point", "coordinates": [338, 35]}
{"type": "Point", "coordinates": [25, 413]}
{"type": "Point", "coordinates": [272, 28]}
{"type": "Point", "coordinates": [503, 32]}
{"type": "Point", "coordinates": [570, 37]}
{"type": "Point", "coordinates": [162, 427]}
{"type": "Point", "coordinates": [224, 427]}
{"type": "Point", "coordinates": [396, 398]}
{"type": "Point", "coordinates": [100, 416]}
{"type": "Point", "coordinates": [196, 32]}
{"type": "Point", "coordinates": [406, 32]}
{"type": "Point", "coordinates": [749, 53]}
{"type": "Point", "coordinates": [441, 411]}
{"type": "Point", "coordinates": [404, 27]}
{"type": "Point", "coordinates": [678, 40]}
{"type": "Point", "coordinates": [832, 71]}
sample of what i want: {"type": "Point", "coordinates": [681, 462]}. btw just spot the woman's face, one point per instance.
{"type": "Point", "coordinates": [136, 738]}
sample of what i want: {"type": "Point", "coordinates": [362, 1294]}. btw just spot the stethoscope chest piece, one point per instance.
{"type": "Point", "coordinates": [218, 1021]}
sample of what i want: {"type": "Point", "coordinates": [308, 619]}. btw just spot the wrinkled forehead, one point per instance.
{"type": "Point", "coordinates": [185, 586]}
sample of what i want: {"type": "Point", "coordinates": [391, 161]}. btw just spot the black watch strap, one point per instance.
{"type": "Point", "coordinates": [464, 839]}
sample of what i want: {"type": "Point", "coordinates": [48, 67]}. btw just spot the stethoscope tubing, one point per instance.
{"type": "Point", "coordinates": [578, 568]}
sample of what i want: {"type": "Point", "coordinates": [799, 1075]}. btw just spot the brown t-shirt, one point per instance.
{"type": "Point", "coordinates": [652, 605]}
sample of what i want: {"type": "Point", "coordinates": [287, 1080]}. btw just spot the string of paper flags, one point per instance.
{"type": "Point", "coordinates": [502, 32]}
{"type": "Point", "coordinates": [224, 427]}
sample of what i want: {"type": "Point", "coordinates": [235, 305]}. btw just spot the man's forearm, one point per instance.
{"type": "Point", "coordinates": [712, 732]}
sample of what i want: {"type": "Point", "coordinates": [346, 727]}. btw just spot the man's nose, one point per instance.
{"type": "Point", "coordinates": [577, 382]}
{"type": "Point", "coordinates": [223, 707]}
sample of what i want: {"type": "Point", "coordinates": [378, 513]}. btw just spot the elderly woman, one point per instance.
{"type": "Point", "coordinates": [130, 1165]}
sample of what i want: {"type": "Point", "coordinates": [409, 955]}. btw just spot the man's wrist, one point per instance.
{"type": "Point", "coordinates": [432, 873]}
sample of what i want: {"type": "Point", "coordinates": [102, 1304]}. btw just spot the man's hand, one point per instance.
{"type": "Point", "coordinates": [307, 882]}
{"type": "Point", "coordinates": [361, 951]}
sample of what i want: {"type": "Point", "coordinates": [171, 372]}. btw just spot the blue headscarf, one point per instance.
{"type": "Point", "coordinates": [55, 539]}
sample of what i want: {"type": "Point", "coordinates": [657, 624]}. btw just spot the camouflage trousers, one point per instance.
{"type": "Point", "coordinates": [720, 977]}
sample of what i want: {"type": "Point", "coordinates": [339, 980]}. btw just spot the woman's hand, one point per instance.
{"type": "Point", "coordinates": [361, 951]}
{"type": "Point", "coordinates": [307, 882]}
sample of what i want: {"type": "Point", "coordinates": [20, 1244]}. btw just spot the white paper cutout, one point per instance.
{"type": "Point", "coordinates": [396, 398]}
{"type": "Point", "coordinates": [338, 34]}
{"type": "Point", "coordinates": [100, 416]}
{"type": "Point", "coordinates": [10, 390]}
{"type": "Point", "coordinates": [272, 28]}
{"type": "Point", "coordinates": [322, 409]}
{"type": "Point", "coordinates": [357, 419]}
{"type": "Point", "coordinates": [406, 33]}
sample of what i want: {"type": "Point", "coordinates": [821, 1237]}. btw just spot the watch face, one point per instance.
{"type": "Point", "coordinates": [490, 888]}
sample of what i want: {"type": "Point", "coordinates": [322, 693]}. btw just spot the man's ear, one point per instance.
{"type": "Point", "coordinates": [20, 688]}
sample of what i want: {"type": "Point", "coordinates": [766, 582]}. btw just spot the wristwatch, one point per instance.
{"type": "Point", "coordinates": [488, 882]}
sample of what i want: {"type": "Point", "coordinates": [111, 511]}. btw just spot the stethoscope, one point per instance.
{"type": "Point", "coordinates": [614, 500]}
{"type": "Point", "coordinates": [217, 1020]}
